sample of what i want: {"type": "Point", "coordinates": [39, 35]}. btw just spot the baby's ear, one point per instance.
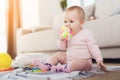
{"type": "Point", "coordinates": [82, 21]}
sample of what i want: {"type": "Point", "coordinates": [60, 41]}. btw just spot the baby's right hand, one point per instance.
{"type": "Point", "coordinates": [65, 33]}
{"type": "Point", "coordinates": [62, 38]}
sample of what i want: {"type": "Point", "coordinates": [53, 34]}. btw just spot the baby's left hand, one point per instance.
{"type": "Point", "coordinates": [102, 66]}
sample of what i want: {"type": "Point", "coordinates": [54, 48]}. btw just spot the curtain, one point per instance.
{"type": "Point", "coordinates": [13, 24]}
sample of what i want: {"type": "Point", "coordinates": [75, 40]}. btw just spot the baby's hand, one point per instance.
{"type": "Point", "coordinates": [62, 38]}
{"type": "Point", "coordinates": [102, 66]}
{"type": "Point", "coordinates": [65, 33]}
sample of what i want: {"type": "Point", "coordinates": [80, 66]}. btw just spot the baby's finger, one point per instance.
{"type": "Point", "coordinates": [104, 69]}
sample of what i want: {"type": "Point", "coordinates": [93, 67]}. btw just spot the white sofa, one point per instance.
{"type": "Point", "coordinates": [106, 28]}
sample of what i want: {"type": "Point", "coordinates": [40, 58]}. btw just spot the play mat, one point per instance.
{"type": "Point", "coordinates": [20, 74]}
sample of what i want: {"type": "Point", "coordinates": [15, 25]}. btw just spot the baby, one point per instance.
{"type": "Point", "coordinates": [80, 49]}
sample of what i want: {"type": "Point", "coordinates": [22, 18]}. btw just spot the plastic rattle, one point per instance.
{"type": "Point", "coordinates": [5, 61]}
{"type": "Point", "coordinates": [66, 32]}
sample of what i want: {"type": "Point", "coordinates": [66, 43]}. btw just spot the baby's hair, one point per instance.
{"type": "Point", "coordinates": [78, 9]}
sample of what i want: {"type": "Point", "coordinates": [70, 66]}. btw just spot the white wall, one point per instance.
{"type": "Point", "coordinates": [30, 13]}
{"type": "Point", "coordinates": [48, 9]}
{"type": "Point", "coordinates": [39, 12]}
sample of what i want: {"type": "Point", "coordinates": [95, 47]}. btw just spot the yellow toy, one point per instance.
{"type": "Point", "coordinates": [5, 61]}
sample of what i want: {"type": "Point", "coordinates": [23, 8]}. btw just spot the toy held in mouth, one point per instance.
{"type": "Point", "coordinates": [66, 33]}
{"type": "Point", "coordinates": [5, 61]}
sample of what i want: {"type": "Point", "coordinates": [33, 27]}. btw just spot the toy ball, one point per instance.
{"type": "Point", "coordinates": [66, 33]}
{"type": "Point", "coordinates": [5, 61]}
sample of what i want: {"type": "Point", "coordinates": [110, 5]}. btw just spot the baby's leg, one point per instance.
{"type": "Point", "coordinates": [80, 65]}
{"type": "Point", "coordinates": [59, 57]}
{"type": "Point", "coordinates": [75, 65]}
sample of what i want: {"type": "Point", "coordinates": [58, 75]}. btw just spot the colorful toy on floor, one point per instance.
{"type": "Point", "coordinates": [32, 68]}
{"type": "Point", "coordinates": [8, 69]}
{"type": "Point", "coordinates": [35, 69]}
{"type": "Point", "coordinates": [66, 32]}
{"type": "Point", "coordinates": [5, 61]}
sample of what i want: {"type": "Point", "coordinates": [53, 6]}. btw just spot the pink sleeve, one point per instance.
{"type": "Point", "coordinates": [93, 47]}
{"type": "Point", "coordinates": [62, 44]}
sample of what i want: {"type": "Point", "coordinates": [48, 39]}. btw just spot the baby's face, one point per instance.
{"type": "Point", "coordinates": [72, 20]}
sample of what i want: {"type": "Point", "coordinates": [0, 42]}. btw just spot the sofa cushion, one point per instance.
{"type": "Point", "coordinates": [37, 29]}
{"type": "Point", "coordinates": [105, 8]}
{"type": "Point", "coordinates": [116, 12]}
{"type": "Point", "coordinates": [89, 11]}
{"type": "Point", "coordinates": [106, 31]}
{"type": "Point", "coordinates": [38, 41]}
{"type": "Point", "coordinates": [26, 31]}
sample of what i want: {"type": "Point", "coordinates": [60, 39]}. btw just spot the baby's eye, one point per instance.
{"type": "Point", "coordinates": [65, 21]}
{"type": "Point", "coordinates": [71, 21]}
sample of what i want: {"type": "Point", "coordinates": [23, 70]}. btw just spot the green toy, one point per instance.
{"type": "Point", "coordinates": [66, 32]}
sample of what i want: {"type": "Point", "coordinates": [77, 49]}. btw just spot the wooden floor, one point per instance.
{"type": "Point", "coordinates": [113, 75]}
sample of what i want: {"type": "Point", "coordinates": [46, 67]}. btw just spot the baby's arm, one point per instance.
{"type": "Point", "coordinates": [63, 38]}
{"type": "Point", "coordinates": [93, 47]}
{"type": "Point", "coordinates": [62, 44]}
{"type": "Point", "coordinates": [95, 51]}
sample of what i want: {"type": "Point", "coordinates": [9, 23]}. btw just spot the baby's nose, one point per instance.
{"type": "Point", "coordinates": [67, 25]}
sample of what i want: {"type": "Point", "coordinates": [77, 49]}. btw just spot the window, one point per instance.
{"type": "Point", "coordinates": [3, 20]}
{"type": "Point", "coordinates": [74, 2]}
{"type": "Point", "coordinates": [80, 2]}
{"type": "Point", "coordinates": [88, 2]}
